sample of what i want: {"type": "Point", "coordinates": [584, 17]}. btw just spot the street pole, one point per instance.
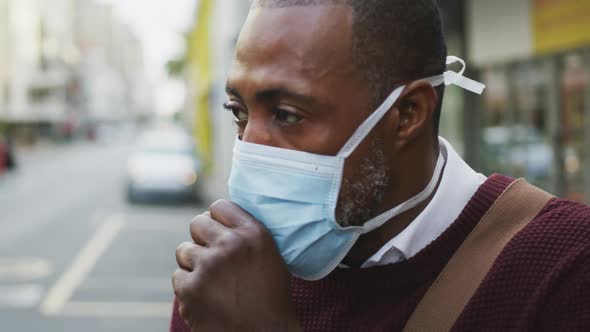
{"type": "Point", "coordinates": [555, 127]}
{"type": "Point", "coordinates": [586, 130]}
{"type": "Point", "coordinates": [472, 107]}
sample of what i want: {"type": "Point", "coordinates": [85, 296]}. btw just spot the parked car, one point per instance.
{"type": "Point", "coordinates": [518, 151]}
{"type": "Point", "coordinates": [164, 165]}
{"type": "Point", "coordinates": [3, 156]}
{"type": "Point", "coordinates": [10, 155]}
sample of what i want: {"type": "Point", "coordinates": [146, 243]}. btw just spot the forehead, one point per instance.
{"type": "Point", "coordinates": [306, 42]}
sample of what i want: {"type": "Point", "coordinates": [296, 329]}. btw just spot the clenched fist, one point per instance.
{"type": "Point", "coordinates": [232, 278]}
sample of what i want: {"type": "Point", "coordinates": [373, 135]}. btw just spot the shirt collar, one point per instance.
{"type": "Point", "coordinates": [458, 184]}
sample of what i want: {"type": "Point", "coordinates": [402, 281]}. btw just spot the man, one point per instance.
{"type": "Point", "coordinates": [339, 179]}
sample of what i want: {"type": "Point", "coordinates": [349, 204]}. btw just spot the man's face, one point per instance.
{"type": "Point", "coordinates": [294, 86]}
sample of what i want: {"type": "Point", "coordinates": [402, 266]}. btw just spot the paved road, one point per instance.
{"type": "Point", "coordinates": [74, 256]}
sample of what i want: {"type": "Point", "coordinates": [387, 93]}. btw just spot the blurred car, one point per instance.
{"type": "Point", "coordinates": [519, 151]}
{"type": "Point", "coordinates": [163, 166]}
{"type": "Point", "coordinates": [3, 156]}
{"type": "Point", "coordinates": [10, 155]}
{"type": "Point", "coordinates": [7, 159]}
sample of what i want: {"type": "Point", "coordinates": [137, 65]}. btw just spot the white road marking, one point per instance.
{"type": "Point", "coordinates": [20, 296]}
{"type": "Point", "coordinates": [118, 309]}
{"type": "Point", "coordinates": [62, 290]}
{"type": "Point", "coordinates": [23, 269]}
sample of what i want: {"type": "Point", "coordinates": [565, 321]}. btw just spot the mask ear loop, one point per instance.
{"type": "Point", "coordinates": [451, 77]}
{"type": "Point", "coordinates": [451, 59]}
{"type": "Point", "coordinates": [448, 78]}
{"type": "Point", "coordinates": [409, 204]}
{"type": "Point", "coordinates": [365, 128]}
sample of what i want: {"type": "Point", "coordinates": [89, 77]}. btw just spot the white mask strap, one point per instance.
{"type": "Point", "coordinates": [454, 78]}
{"type": "Point", "coordinates": [366, 127]}
{"type": "Point", "coordinates": [409, 204]}
{"type": "Point", "coordinates": [448, 78]}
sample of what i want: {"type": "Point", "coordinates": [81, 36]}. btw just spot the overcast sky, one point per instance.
{"type": "Point", "coordinates": [159, 24]}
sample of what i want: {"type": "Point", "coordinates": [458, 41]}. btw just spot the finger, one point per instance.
{"type": "Point", "coordinates": [181, 284]}
{"type": "Point", "coordinates": [230, 214]}
{"type": "Point", "coordinates": [205, 230]}
{"type": "Point", "coordinates": [183, 312]}
{"type": "Point", "coordinates": [180, 309]}
{"type": "Point", "coordinates": [187, 255]}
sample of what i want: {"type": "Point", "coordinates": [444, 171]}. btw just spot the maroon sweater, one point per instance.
{"type": "Point", "coordinates": [540, 281]}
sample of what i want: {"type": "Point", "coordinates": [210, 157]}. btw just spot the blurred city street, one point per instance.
{"type": "Point", "coordinates": [75, 256]}
{"type": "Point", "coordinates": [104, 103]}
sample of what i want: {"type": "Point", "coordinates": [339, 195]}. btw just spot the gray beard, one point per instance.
{"type": "Point", "coordinates": [359, 199]}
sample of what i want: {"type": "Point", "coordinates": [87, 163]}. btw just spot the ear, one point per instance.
{"type": "Point", "coordinates": [414, 113]}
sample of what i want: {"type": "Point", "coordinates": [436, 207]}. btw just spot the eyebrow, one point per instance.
{"type": "Point", "coordinates": [232, 91]}
{"type": "Point", "coordinates": [275, 93]}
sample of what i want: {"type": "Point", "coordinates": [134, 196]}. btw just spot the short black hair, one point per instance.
{"type": "Point", "coordinates": [394, 41]}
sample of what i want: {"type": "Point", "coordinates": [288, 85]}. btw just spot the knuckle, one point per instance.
{"type": "Point", "coordinates": [255, 234]}
{"type": "Point", "coordinates": [230, 241]}
{"type": "Point", "coordinates": [244, 244]}
{"type": "Point", "coordinates": [186, 286]}
{"type": "Point", "coordinates": [182, 248]}
{"type": "Point", "coordinates": [187, 255]}
{"type": "Point", "coordinates": [195, 225]}
{"type": "Point", "coordinates": [197, 283]}
{"type": "Point", "coordinates": [178, 253]}
{"type": "Point", "coordinates": [206, 267]}
{"type": "Point", "coordinates": [199, 218]}
{"type": "Point", "coordinates": [258, 231]}
{"type": "Point", "coordinates": [218, 205]}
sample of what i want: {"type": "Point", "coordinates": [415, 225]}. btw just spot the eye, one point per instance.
{"type": "Point", "coordinates": [286, 118]}
{"type": "Point", "coordinates": [240, 116]}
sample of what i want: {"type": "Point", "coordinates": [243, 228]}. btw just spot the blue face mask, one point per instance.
{"type": "Point", "coordinates": [295, 194]}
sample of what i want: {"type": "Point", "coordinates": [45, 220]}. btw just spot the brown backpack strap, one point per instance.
{"type": "Point", "coordinates": [445, 300]}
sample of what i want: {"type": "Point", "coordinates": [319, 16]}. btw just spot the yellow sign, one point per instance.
{"type": "Point", "coordinates": [199, 63]}
{"type": "Point", "coordinates": [560, 24]}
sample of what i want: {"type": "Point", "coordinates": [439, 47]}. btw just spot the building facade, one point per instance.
{"type": "Point", "coordinates": [534, 119]}
{"type": "Point", "coordinates": [4, 30]}
{"type": "Point", "coordinates": [206, 79]}
{"type": "Point", "coordinates": [66, 63]}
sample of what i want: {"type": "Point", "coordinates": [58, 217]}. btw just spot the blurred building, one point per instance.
{"type": "Point", "coordinates": [212, 42]}
{"type": "Point", "coordinates": [533, 120]}
{"type": "Point", "coordinates": [65, 65]}
{"type": "Point", "coordinates": [111, 72]}
{"type": "Point", "coordinates": [4, 30]}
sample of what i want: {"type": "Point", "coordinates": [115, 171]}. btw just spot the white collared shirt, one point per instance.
{"type": "Point", "coordinates": [458, 184]}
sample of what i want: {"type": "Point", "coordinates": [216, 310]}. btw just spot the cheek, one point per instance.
{"type": "Point", "coordinates": [324, 138]}
{"type": "Point", "coordinates": [326, 135]}
{"type": "Point", "coordinates": [374, 148]}
{"type": "Point", "coordinates": [352, 169]}
{"type": "Point", "coordinates": [258, 129]}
